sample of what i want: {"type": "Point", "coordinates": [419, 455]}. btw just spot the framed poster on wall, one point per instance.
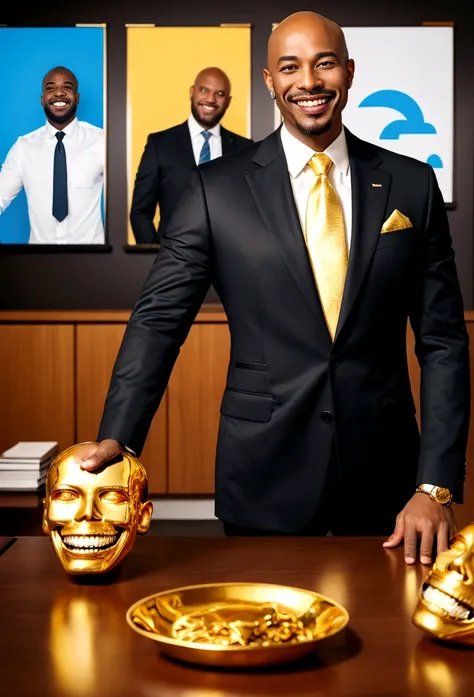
{"type": "Point", "coordinates": [158, 96]}
{"type": "Point", "coordinates": [398, 100]}
{"type": "Point", "coordinates": [53, 137]}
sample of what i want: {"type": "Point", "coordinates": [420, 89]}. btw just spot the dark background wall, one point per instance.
{"type": "Point", "coordinates": [33, 279]}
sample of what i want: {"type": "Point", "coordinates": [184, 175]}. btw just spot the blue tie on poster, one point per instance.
{"type": "Point", "coordinates": [205, 154]}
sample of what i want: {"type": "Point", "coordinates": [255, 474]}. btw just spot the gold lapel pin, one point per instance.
{"type": "Point", "coordinates": [376, 185]}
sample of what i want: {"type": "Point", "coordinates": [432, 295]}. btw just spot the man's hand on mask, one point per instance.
{"type": "Point", "coordinates": [97, 453]}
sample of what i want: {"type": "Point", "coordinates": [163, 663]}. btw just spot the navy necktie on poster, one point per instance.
{"type": "Point", "coordinates": [60, 206]}
{"type": "Point", "coordinates": [205, 155]}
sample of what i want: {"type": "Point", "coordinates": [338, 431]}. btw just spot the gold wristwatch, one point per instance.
{"type": "Point", "coordinates": [438, 493]}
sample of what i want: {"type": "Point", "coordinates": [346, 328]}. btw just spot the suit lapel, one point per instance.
{"type": "Point", "coordinates": [183, 146]}
{"type": "Point", "coordinates": [368, 209]}
{"type": "Point", "coordinates": [271, 188]}
{"type": "Point", "coordinates": [227, 141]}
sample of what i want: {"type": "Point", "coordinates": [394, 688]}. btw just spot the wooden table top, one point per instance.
{"type": "Point", "coordinates": [62, 638]}
{"type": "Point", "coordinates": [4, 542]}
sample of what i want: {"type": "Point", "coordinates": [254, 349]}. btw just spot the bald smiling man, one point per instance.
{"type": "Point", "coordinates": [321, 247]}
{"type": "Point", "coordinates": [171, 155]}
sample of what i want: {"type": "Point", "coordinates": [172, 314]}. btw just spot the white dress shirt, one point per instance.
{"type": "Point", "coordinates": [29, 165]}
{"type": "Point", "coordinates": [302, 176]}
{"type": "Point", "coordinates": [197, 139]}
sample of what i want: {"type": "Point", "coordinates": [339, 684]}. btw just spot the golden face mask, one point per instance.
{"type": "Point", "coordinates": [446, 605]}
{"type": "Point", "coordinates": [93, 517]}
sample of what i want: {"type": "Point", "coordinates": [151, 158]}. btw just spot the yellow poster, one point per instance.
{"type": "Point", "coordinates": [162, 63]}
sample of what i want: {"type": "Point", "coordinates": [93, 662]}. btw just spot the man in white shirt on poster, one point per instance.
{"type": "Point", "coordinates": [61, 168]}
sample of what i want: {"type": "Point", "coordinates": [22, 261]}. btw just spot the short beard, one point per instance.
{"type": "Point", "coordinates": [314, 130]}
{"type": "Point", "coordinates": [213, 120]}
{"type": "Point", "coordinates": [60, 119]}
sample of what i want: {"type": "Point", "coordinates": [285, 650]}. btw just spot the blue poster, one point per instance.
{"type": "Point", "coordinates": [52, 192]}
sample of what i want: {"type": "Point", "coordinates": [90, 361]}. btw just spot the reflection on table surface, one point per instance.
{"type": "Point", "coordinates": [66, 637]}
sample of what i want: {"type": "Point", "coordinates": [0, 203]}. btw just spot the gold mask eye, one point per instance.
{"type": "Point", "coordinates": [458, 544]}
{"type": "Point", "coordinates": [66, 496]}
{"type": "Point", "coordinates": [114, 497]}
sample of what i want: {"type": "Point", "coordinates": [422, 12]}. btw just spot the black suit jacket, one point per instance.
{"type": "Point", "coordinates": [164, 171]}
{"type": "Point", "coordinates": [292, 395]}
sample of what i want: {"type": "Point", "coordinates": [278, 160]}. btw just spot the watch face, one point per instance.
{"type": "Point", "coordinates": [442, 495]}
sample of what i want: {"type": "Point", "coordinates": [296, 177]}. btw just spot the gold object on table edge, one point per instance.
{"type": "Point", "coordinates": [93, 517]}
{"type": "Point", "coordinates": [169, 611]}
{"type": "Point", "coordinates": [445, 608]}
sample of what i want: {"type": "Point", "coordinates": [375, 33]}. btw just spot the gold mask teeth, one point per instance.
{"type": "Point", "coordinates": [438, 601]}
{"type": "Point", "coordinates": [89, 542]}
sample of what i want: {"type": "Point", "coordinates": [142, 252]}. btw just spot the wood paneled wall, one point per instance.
{"type": "Point", "coordinates": [54, 373]}
{"type": "Point", "coordinates": [97, 346]}
{"type": "Point", "coordinates": [37, 383]}
{"type": "Point", "coordinates": [55, 370]}
{"type": "Point", "coordinates": [194, 395]}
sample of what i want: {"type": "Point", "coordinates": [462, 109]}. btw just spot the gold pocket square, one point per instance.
{"type": "Point", "coordinates": [397, 221]}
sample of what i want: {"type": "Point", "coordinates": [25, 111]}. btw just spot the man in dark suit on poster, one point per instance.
{"type": "Point", "coordinates": [170, 156]}
{"type": "Point", "coordinates": [321, 248]}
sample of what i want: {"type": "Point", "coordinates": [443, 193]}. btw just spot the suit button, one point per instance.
{"type": "Point", "coordinates": [327, 417]}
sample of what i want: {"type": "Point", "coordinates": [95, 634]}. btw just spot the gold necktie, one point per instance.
{"type": "Point", "coordinates": [326, 240]}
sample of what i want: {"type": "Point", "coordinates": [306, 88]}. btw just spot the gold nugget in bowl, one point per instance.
{"type": "Point", "coordinates": [237, 624]}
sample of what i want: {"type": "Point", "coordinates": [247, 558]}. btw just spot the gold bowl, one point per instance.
{"type": "Point", "coordinates": [241, 625]}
